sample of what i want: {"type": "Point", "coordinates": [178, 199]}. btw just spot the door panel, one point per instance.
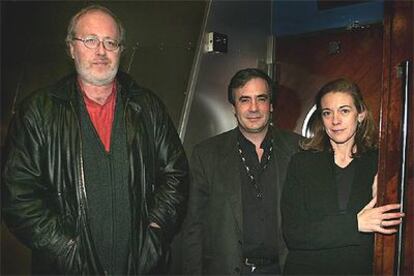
{"type": "Point", "coordinates": [398, 47]}
{"type": "Point", "coordinates": [304, 63]}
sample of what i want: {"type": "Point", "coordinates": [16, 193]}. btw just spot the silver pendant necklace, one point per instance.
{"type": "Point", "coordinates": [259, 193]}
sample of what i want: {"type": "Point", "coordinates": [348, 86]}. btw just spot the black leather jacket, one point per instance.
{"type": "Point", "coordinates": [44, 195]}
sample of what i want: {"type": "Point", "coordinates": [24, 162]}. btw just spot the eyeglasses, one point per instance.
{"type": "Point", "coordinates": [93, 42]}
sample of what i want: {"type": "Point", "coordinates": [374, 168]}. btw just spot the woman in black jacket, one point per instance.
{"type": "Point", "coordinates": [328, 203]}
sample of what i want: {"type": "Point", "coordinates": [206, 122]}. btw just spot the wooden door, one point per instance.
{"type": "Point", "coordinates": [390, 258]}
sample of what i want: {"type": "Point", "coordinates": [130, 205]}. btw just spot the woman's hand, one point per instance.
{"type": "Point", "coordinates": [378, 219]}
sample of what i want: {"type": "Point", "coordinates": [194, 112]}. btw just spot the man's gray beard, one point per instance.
{"type": "Point", "coordinates": [89, 78]}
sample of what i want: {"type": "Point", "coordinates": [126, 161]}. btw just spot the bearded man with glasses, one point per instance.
{"type": "Point", "coordinates": [95, 178]}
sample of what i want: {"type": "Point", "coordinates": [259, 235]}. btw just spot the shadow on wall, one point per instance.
{"type": "Point", "coordinates": [164, 35]}
{"type": "Point", "coordinates": [15, 258]}
{"type": "Point", "coordinates": [287, 102]}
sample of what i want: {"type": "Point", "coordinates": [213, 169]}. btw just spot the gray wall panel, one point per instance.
{"type": "Point", "coordinates": [247, 25]}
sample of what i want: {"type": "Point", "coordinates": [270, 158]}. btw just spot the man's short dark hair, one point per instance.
{"type": "Point", "coordinates": [245, 75]}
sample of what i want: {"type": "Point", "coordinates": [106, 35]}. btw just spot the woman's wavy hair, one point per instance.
{"type": "Point", "coordinates": [366, 137]}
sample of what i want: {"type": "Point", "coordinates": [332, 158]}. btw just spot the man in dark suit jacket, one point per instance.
{"type": "Point", "coordinates": [233, 224]}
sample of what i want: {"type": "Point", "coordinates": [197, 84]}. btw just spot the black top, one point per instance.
{"type": "Point", "coordinates": [321, 238]}
{"type": "Point", "coordinates": [259, 232]}
{"type": "Point", "coordinates": [344, 178]}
